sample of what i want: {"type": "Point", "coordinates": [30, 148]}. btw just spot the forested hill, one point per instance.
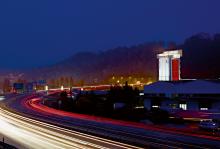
{"type": "Point", "coordinates": [137, 61]}
{"type": "Point", "coordinates": [201, 59]}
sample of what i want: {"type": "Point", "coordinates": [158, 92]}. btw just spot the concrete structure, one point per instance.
{"type": "Point", "coordinates": [169, 65]}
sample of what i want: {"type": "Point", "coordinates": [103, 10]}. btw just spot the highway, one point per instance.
{"type": "Point", "coordinates": [29, 133]}
{"type": "Point", "coordinates": [34, 134]}
{"type": "Point", "coordinates": [34, 128]}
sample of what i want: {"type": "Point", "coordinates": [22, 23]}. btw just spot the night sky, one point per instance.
{"type": "Point", "coordinates": [42, 32]}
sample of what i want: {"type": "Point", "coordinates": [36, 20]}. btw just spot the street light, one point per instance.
{"type": "Point", "coordinates": [138, 82]}
{"type": "Point", "coordinates": [46, 88]}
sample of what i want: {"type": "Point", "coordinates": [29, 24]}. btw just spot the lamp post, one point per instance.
{"type": "Point", "coordinates": [62, 88]}
{"type": "Point", "coordinates": [46, 89]}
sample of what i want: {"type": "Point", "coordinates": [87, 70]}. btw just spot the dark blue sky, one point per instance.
{"type": "Point", "coordinates": [42, 32]}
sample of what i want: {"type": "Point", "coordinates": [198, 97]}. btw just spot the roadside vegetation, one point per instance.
{"type": "Point", "coordinates": [120, 102]}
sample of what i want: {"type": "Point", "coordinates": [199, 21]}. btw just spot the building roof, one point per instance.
{"type": "Point", "coordinates": [173, 53]}
{"type": "Point", "coordinates": [184, 87]}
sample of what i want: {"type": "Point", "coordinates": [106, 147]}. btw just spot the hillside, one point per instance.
{"type": "Point", "coordinates": [137, 61]}
{"type": "Point", "coordinates": [201, 57]}
{"type": "Point", "coordinates": [201, 54]}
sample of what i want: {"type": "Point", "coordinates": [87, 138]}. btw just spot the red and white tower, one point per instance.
{"type": "Point", "coordinates": [169, 65]}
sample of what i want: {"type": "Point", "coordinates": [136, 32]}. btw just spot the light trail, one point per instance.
{"type": "Point", "coordinates": [35, 134]}
{"type": "Point", "coordinates": [73, 139]}
{"type": "Point", "coordinates": [35, 104]}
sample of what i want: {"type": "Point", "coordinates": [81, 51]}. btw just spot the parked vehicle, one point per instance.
{"type": "Point", "coordinates": [208, 125]}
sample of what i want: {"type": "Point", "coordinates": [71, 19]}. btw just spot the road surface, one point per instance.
{"type": "Point", "coordinates": [145, 138]}
{"type": "Point", "coordinates": [29, 133]}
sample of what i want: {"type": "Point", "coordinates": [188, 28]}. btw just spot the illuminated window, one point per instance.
{"type": "Point", "coordinates": [155, 106]}
{"type": "Point", "coordinates": [203, 108]}
{"type": "Point", "coordinates": [205, 105]}
{"type": "Point", "coordinates": [155, 103]}
{"type": "Point", "coordinates": [141, 94]}
{"type": "Point", "coordinates": [183, 106]}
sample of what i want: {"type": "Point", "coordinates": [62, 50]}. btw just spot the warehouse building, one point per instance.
{"type": "Point", "coordinates": [189, 98]}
